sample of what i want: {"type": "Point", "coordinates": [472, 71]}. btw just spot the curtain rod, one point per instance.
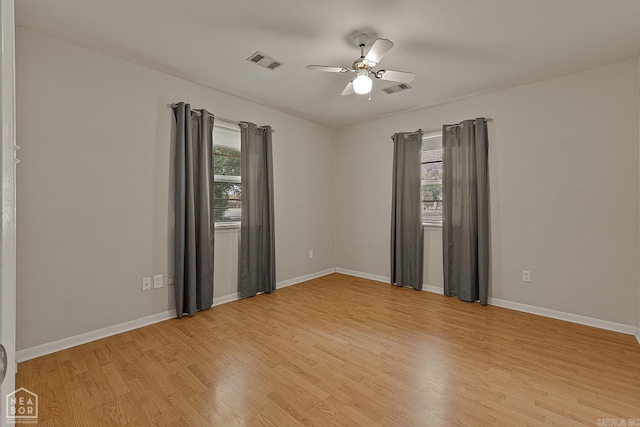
{"type": "Point", "coordinates": [235, 122]}
{"type": "Point", "coordinates": [408, 134]}
{"type": "Point", "coordinates": [460, 124]}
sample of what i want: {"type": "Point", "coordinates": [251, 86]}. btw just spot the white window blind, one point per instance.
{"type": "Point", "coordinates": [226, 136]}
{"type": "Point", "coordinates": [227, 204]}
{"type": "Point", "coordinates": [432, 179]}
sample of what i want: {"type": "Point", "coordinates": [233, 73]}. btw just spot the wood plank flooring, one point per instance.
{"type": "Point", "coordinates": [340, 350]}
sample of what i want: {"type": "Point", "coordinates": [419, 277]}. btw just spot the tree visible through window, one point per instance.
{"type": "Point", "coordinates": [227, 203]}
{"type": "Point", "coordinates": [432, 179]}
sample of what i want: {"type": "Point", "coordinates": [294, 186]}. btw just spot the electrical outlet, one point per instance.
{"type": "Point", "coordinates": [170, 280]}
{"type": "Point", "coordinates": [146, 284]}
{"type": "Point", "coordinates": [526, 276]}
{"type": "Point", "coordinates": [158, 281]}
{"type": "Point", "coordinates": [310, 254]}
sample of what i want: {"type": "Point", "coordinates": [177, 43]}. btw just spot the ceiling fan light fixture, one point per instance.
{"type": "Point", "coordinates": [363, 67]}
{"type": "Point", "coordinates": [362, 84]}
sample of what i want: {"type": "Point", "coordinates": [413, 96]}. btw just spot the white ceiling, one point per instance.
{"type": "Point", "coordinates": [455, 47]}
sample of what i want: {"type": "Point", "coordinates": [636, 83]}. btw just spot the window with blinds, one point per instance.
{"type": "Point", "coordinates": [432, 179]}
{"type": "Point", "coordinates": [227, 203]}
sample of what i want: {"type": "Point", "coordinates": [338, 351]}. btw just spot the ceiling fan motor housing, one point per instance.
{"type": "Point", "coordinates": [362, 39]}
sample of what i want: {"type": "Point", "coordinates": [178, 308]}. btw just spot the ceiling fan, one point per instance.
{"type": "Point", "coordinates": [363, 67]}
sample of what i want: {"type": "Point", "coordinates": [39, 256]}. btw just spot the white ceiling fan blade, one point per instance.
{"type": "Point", "coordinates": [327, 69]}
{"type": "Point", "coordinates": [395, 76]}
{"type": "Point", "coordinates": [379, 49]}
{"type": "Point", "coordinates": [348, 90]}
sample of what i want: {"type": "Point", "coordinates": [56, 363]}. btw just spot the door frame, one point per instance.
{"type": "Point", "coordinates": [8, 201]}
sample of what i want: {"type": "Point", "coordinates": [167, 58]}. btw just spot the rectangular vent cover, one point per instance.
{"type": "Point", "coordinates": [264, 61]}
{"type": "Point", "coordinates": [397, 88]}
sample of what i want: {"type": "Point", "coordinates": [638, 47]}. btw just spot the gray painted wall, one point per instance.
{"type": "Point", "coordinates": [94, 189]}
{"type": "Point", "coordinates": [564, 192]}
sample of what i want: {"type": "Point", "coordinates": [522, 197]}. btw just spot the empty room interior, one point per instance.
{"type": "Point", "coordinates": [294, 212]}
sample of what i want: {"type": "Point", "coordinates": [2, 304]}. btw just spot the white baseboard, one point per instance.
{"type": "Point", "coordinates": [63, 344]}
{"type": "Point", "coordinates": [568, 317]}
{"type": "Point", "coordinates": [363, 275]}
{"type": "Point", "coordinates": [540, 311]}
{"type": "Point", "coordinates": [433, 289]}
{"type": "Point", "coordinates": [387, 280]}
{"type": "Point", "coordinates": [225, 299]}
{"type": "Point", "coordinates": [300, 279]}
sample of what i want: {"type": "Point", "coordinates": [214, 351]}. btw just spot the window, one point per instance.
{"type": "Point", "coordinates": [227, 186]}
{"type": "Point", "coordinates": [432, 179]}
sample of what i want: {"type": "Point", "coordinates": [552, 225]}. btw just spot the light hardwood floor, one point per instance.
{"type": "Point", "coordinates": [340, 350]}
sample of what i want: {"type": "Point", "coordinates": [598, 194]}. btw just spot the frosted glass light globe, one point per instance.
{"type": "Point", "coordinates": [362, 84]}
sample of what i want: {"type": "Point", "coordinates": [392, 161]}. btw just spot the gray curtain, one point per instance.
{"type": "Point", "coordinates": [257, 262]}
{"type": "Point", "coordinates": [193, 219]}
{"type": "Point", "coordinates": [465, 216]}
{"type": "Point", "coordinates": [407, 235]}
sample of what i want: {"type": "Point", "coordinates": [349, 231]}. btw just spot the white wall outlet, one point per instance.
{"type": "Point", "coordinates": [158, 281]}
{"type": "Point", "coordinates": [526, 276]}
{"type": "Point", "coordinates": [310, 254]}
{"type": "Point", "coordinates": [170, 280]}
{"type": "Point", "coordinates": [146, 284]}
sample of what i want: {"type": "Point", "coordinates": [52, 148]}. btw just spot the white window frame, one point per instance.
{"type": "Point", "coordinates": [430, 141]}
{"type": "Point", "coordinates": [222, 225]}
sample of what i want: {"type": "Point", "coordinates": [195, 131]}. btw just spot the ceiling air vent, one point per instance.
{"type": "Point", "coordinates": [397, 88]}
{"type": "Point", "coordinates": [264, 61]}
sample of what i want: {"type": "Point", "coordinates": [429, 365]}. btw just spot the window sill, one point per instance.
{"type": "Point", "coordinates": [222, 227]}
{"type": "Point", "coordinates": [432, 224]}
